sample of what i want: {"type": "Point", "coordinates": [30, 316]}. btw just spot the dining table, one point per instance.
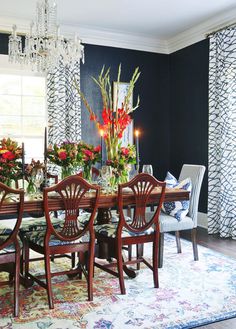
{"type": "Point", "coordinates": [34, 207]}
{"type": "Point", "coordinates": [106, 201]}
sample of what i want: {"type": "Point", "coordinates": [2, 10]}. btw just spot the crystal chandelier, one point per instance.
{"type": "Point", "coordinates": [44, 48]}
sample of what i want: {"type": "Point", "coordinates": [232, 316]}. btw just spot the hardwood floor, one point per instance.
{"type": "Point", "coordinates": [224, 246]}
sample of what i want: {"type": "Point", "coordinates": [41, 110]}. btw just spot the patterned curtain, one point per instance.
{"type": "Point", "coordinates": [222, 134]}
{"type": "Point", "coordinates": [64, 106]}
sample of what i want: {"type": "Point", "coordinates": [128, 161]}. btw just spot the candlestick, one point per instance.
{"type": "Point", "coordinates": [45, 155]}
{"type": "Point", "coordinates": [101, 133]}
{"type": "Point", "coordinates": [137, 149]}
{"type": "Point", "coordinates": [23, 165]}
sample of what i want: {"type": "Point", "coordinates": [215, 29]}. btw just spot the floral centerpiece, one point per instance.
{"type": "Point", "coordinates": [64, 155]}
{"type": "Point", "coordinates": [115, 118]}
{"type": "Point", "coordinates": [89, 156]}
{"type": "Point", "coordinates": [10, 164]}
{"type": "Point", "coordinates": [121, 164]}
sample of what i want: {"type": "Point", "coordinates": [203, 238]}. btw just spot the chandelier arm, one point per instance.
{"type": "Point", "coordinates": [44, 49]}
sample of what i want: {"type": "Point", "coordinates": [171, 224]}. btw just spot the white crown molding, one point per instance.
{"type": "Point", "coordinates": [199, 32]}
{"type": "Point", "coordinates": [96, 36]}
{"type": "Point", "coordinates": [119, 40]}
{"type": "Point", "coordinates": [125, 40]}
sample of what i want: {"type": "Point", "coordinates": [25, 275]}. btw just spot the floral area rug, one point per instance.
{"type": "Point", "coordinates": [190, 294]}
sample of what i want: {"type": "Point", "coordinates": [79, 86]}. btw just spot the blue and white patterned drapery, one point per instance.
{"type": "Point", "coordinates": [222, 134]}
{"type": "Point", "coordinates": [64, 106]}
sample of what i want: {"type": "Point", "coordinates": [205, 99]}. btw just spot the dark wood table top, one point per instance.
{"type": "Point", "coordinates": [105, 201]}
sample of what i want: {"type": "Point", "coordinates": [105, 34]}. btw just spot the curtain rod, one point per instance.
{"type": "Point", "coordinates": [220, 29]}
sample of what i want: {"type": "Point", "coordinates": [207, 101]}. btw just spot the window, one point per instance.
{"type": "Point", "coordinates": [23, 113]}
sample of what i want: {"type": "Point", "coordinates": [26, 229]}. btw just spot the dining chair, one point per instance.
{"type": "Point", "coordinates": [72, 235]}
{"type": "Point", "coordinates": [189, 222]}
{"type": "Point", "coordinates": [10, 246]}
{"type": "Point", "coordinates": [133, 231]}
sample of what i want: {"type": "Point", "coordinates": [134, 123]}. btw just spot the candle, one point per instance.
{"type": "Point", "coordinates": [45, 155]}
{"type": "Point", "coordinates": [137, 148]}
{"type": "Point", "coordinates": [45, 144]}
{"type": "Point", "coordinates": [101, 133]}
{"type": "Point", "coordinates": [23, 164]}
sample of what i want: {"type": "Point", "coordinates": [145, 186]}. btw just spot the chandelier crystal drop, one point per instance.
{"type": "Point", "coordinates": [44, 48]}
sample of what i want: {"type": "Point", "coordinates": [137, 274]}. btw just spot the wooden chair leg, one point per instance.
{"type": "Point", "coordinates": [161, 250]}
{"type": "Point", "coordinates": [90, 273]}
{"type": "Point", "coordinates": [82, 260]}
{"type": "Point", "coordinates": [48, 280]}
{"type": "Point", "coordinates": [155, 263]}
{"type": "Point", "coordinates": [194, 243]}
{"type": "Point", "coordinates": [139, 248]}
{"type": "Point", "coordinates": [130, 252]}
{"type": "Point", "coordinates": [26, 258]}
{"type": "Point", "coordinates": [17, 284]}
{"type": "Point", "coordinates": [120, 269]}
{"type": "Point", "coordinates": [73, 259]}
{"type": "Point", "coordinates": [178, 243]}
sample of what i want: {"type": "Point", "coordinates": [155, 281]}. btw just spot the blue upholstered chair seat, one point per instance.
{"type": "Point", "coordinates": [7, 226]}
{"type": "Point", "coordinates": [37, 237]}
{"type": "Point", "coordinates": [109, 230]}
{"type": "Point", "coordinates": [39, 224]}
{"type": "Point", "coordinates": [10, 247]}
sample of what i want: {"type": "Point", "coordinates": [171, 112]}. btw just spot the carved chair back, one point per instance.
{"type": "Point", "coordinates": [71, 191]}
{"type": "Point", "coordinates": [8, 194]}
{"type": "Point", "coordinates": [142, 187]}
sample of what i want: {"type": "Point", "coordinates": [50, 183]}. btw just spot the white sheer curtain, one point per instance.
{"type": "Point", "coordinates": [222, 134]}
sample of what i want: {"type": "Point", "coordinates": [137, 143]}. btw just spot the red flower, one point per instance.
{"type": "Point", "coordinates": [88, 153]}
{"type": "Point", "coordinates": [8, 155]}
{"type": "Point", "coordinates": [62, 155]}
{"type": "Point", "coordinates": [107, 116]}
{"type": "Point", "coordinates": [125, 150]}
{"type": "Point", "coordinates": [93, 117]}
{"type": "Point", "coordinates": [97, 149]}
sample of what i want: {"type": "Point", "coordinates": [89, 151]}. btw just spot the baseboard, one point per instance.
{"type": "Point", "coordinates": [202, 220]}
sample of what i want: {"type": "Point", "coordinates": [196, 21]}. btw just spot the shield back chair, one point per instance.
{"type": "Point", "coordinates": [133, 231]}
{"type": "Point", "coordinates": [10, 246]}
{"type": "Point", "coordinates": [189, 222]}
{"type": "Point", "coordinates": [73, 235]}
{"type": "Point", "coordinates": [36, 220]}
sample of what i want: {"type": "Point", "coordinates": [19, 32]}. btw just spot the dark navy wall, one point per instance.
{"type": "Point", "coordinates": [152, 117]}
{"type": "Point", "coordinates": [189, 110]}
{"type": "Point", "coordinates": [4, 43]}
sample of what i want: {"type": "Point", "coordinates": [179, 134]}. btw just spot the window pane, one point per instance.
{"type": "Point", "coordinates": [34, 149]}
{"type": "Point", "coordinates": [33, 126]}
{"type": "Point", "coordinates": [10, 84]}
{"type": "Point", "coordinates": [34, 86]}
{"type": "Point", "coordinates": [23, 112]}
{"type": "Point", "coordinates": [10, 126]}
{"type": "Point", "coordinates": [33, 106]}
{"type": "Point", "coordinates": [10, 105]}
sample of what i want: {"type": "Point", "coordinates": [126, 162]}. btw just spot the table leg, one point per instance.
{"type": "Point", "coordinates": [103, 216]}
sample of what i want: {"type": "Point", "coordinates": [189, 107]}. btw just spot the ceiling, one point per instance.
{"type": "Point", "coordinates": [160, 20]}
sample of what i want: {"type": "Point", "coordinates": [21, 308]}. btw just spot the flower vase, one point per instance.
{"type": "Point", "coordinates": [87, 173]}
{"type": "Point", "coordinates": [112, 148]}
{"type": "Point", "coordinates": [119, 177]}
{"type": "Point", "coordinates": [66, 171]}
{"type": "Point", "coordinates": [31, 189]}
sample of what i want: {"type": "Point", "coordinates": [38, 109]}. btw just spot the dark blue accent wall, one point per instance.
{"type": "Point", "coordinates": [189, 110]}
{"type": "Point", "coordinates": [173, 112]}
